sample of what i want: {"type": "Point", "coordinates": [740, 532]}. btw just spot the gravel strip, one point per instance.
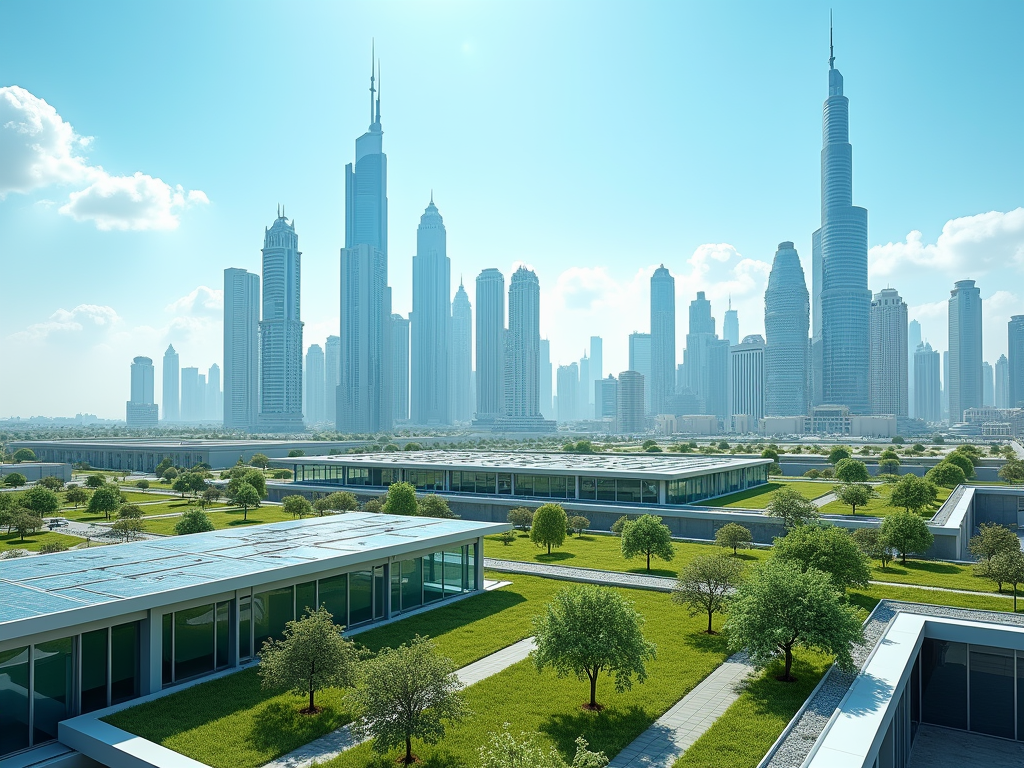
{"type": "Point", "coordinates": [586, 575]}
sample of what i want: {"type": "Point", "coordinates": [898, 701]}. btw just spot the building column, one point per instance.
{"type": "Point", "coordinates": [387, 589]}
{"type": "Point", "coordinates": [152, 653]}
{"type": "Point", "coordinates": [663, 492]}
{"type": "Point", "coordinates": [478, 562]}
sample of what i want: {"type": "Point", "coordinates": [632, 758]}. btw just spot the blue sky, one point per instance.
{"type": "Point", "coordinates": [592, 141]}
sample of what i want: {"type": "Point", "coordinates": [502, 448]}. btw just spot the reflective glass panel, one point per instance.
{"type": "Point", "coordinates": [433, 588]}
{"type": "Point", "coordinates": [471, 566]}
{"type": "Point", "coordinates": [223, 634]}
{"type": "Point", "coordinates": [94, 670]}
{"type": "Point", "coordinates": [991, 688]}
{"type": "Point", "coordinates": [944, 683]}
{"type": "Point", "coordinates": [124, 662]}
{"type": "Point", "coordinates": [193, 641]}
{"type": "Point", "coordinates": [453, 576]}
{"type": "Point", "coordinates": [1020, 695]}
{"type": "Point", "coordinates": [13, 700]}
{"type": "Point", "coordinates": [628, 490]}
{"type": "Point", "coordinates": [53, 686]}
{"type": "Point", "coordinates": [245, 628]}
{"type": "Point", "coordinates": [271, 612]}
{"type": "Point", "coordinates": [167, 648]}
{"type": "Point", "coordinates": [605, 489]}
{"type": "Point", "coordinates": [504, 483]}
{"type": "Point", "coordinates": [378, 592]}
{"type": "Point", "coordinates": [360, 597]}
{"type": "Point", "coordinates": [305, 598]}
{"type": "Point", "coordinates": [334, 597]}
{"type": "Point", "coordinates": [588, 488]}
{"type": "Point", "coordinates": [412, 584]}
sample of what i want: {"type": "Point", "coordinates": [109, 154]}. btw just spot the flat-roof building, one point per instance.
{"type": "Point", "coordinates": [86, 629]}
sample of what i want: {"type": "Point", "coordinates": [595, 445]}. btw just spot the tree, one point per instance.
{"type": "Point", "coordinates": [504, 750]}
{"type": "Point", "coordinates": [15, 480]}
{"type": "Point", "coordinates": [313, 655]}
{"type": "Point", "coordinates": [95, 481]}
{"type": "Point", "coordinates": [837, 454]}
{"type": "Point", "coordinates": [586, 630]}
{"type": "Point", "coordinates": [733, 536]}
{"type": "Point", "coordinates": [128, 528]}
{"type": "Point", "coordinates": [170, 475]}
{"type": "Point", "coordinates": [906, 533]}
{"type": "Point", "coordinates": [142, 485]}
{"type": "Point", "coordinates": [24, 454]}
{"type": "Point", "coordinates": [507, 537]}
{"type": "Point", "coordinates": [992, 540]}
{"type": "Point", "coordinates": [295, 453]}
{"type": "Point", "coordinates": [52, 547]}
{"type": "Point", "coordinates": [947, 474]}
{"type": "Point", "coordinates": [297, 506]}
{"type": "Point", "coordinates": [210, 497]}
{"type": "Point", "coordinates": [521, 518]}
{"type": "Point", "coordinates": [25, 521]}
{"type": "Point", "coordinates": [827, 548]}
{"type": "Point", "coordinates": [105, 500]}
{"type": "Point", "coordinates": [578, 525]}
{"type": "Point", "coordinates": [400, 499]}
{"type": "Point", "coordinates": [889, 462]}
{"type": "Point", "coordinates": [1008, 567]}
{"type": "Point", "coordinates": [193, 521]}
{"type": "Point", "coordinates": [647, 536]}
{"type": "Point", "coordinates": [76, 495]}
{"type": "Point", "coordinates": [790, 507]}
{"type": "Point", "coordinates": [190, 482]}
{"type": "Point", "coordinates": [252, 477]}
{"type": "Point", "coordinates": [40, 500]}
{"type": "Point", "coordinates": [163, 466]}
{"type": "Point", "coordinates": [549, 527]}
{"type": "Point", "coordinates": [181, 485]}
{"type": "Point", "coordinates": [782, 607]}
{"type": "Point", "coordinates": [407, 692]}
{"type": "Point", "coordinates": [1012, 471]}
{"type": "Point", "coordinates": [433, 505]}
{"type": "Point", "coordinates": [705, 584]}
{"type": "Point", "coordinates": [339, 501]}
{"type": "Point", "coordinates": [961, 460]}
{"type": "Point", "coordinates": [130, 512]}
{"type": "Point", "coordinates": [260, 460]}
{"type": "Point", "coordinates": [852, 471]}
{"type": "Point", "coordinates": [871, 542]}
{"type": "Point", "coordinates": [246, 496]}
{"type": "Point", "coordinates": [912, 493]}
{"type": "Point", "coordinates": [619, 524]}
{"type": "Point", "coordinates": [971, 452]}
{"type": "Point", "coordinates": [51, 482]}
{"type": "Point", "coordinates": [413, 447]}
{"type": "Point", "coordinates": [770, 453]}
{"type": "Point", "coordinates": [373, 506]}
{"type": "Point", "coordinates": [855, 495]}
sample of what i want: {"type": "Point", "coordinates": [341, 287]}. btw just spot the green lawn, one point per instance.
{"type": "Point", "coordinates": [932, 573]}
{"type": "Point", "coordinates": [222, 519]}
{"type": "Point", "coordinates": [880, 507]}
{"type": "Point", "coordinates": [33, 542]}
{"type": "Point", "coordinates": [761, 496]}
{"type": "Point", "coordinates": [167, 506]}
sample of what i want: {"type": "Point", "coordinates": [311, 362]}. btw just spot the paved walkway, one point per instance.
{"type": "Point", "coordinates": [333, 744]}
{"type": "Point", "coordinates": [821, 501]}
{"type": "Point", "coordinates": [1020, 594]}
{"type": "Point", "coordinates": [586, 575]}
{"type": "Point", "coordinates": [676, 731]}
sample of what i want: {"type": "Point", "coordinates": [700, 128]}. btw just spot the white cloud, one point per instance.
{"type": "Point", "coordinates": [38, 149]}
{"type": "Point", "coordinates": [202, 298]}
{"type": "Point", "coordinates": [81, 318]}
{"type": "Point", "coordinates": [970, 245]}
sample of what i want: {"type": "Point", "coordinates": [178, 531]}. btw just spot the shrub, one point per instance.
{"type": "Point", "coordinates": [733, 536]}
{"type": "Point", "coordinates": [521, 518]}
{"type": "Point", "coordinates": [619, 524]}
{"type": "Point", "coordinates": [549, 526]}
{"type": "Point", "coordinates": [578, 525]}
{"type": "Point", "coordinates": [50, 547]}
{"type": "Point", "coordinates": [851, 471]}
{"type": "Point", "coordinates": [193, 521]}
{"type": "Point", "coordinates": [647, 536]}
{"type": "Point", "coordinates": [400, 499]}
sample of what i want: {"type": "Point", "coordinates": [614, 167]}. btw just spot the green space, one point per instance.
{"type": "Point", "coordinates": [761, 496]}
{"type": "Point", "coordinates": [933, 573]}
{"type": "Point", "coordinates": [32, 542]}
{"type": "Point", "coordinates": [166, 506]}
{"type": "Point", "coordinates": [224, 518]}
{"type": "Point", "coordinates": [881, 507]}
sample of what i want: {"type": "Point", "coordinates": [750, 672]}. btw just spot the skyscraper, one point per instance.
{"type": "Point", "coordinates": [965, 340]}
{"type": "Point", "coordinates": [840, 263]}
{"type": "Point", "coordinates": [786, 323]}
{"type": "Point", "coordinates": [200, 397]}
{"type": "Point", "coordinates": [663, 339]}
{"type": "Point", "coordinates": [1015, 360]}
{"type": "Point", "coordinates": [364, 396]}
{"type": "Point", "coordinates": [707, 359]}
{"type": "Point", "coordinates": [316, 383]}
{"type": "Point", "coordinates": [462, 356]}
{"type": "Point", "coordinates": [568, 392]}
{"type": "Point", "coordinates": [888, 360]}
{"type": "Point", "coordinates": [584, 409]}
{"type": "Point", "coordinates": [606, 396]}
{"type": "Point", "coordinates": [546, 409]}
{"type": "Point", "coordinates": [490, 345]}
{"type": "Point", "coordinates": [214, 397]}
{"type": "Point", "coordinates": [1002, 393]}
{"type": "Point", "coordinates": [172, 408]}
{"type": "Point", "coordinates": [522, 350]}
{"type": "Point", "coordinates": [629, 404]}
{"type": "Point", "coordinates": [913, 342]}
{"type": "Point", "coordinates": [399, 367]}
{"type": "Point", "coordinates": [987, 385]}
{"type": "Point", "coordinates": [927, 388]}
{"type": "Point", "coordinates": [332, 376]}
{"type": "Point", "coordinates": [192, 396]}
{"type": "Point", "coordinates": [746, 391]}
{"type": "Point", "coordinates": [241, 349]}
{"type": "Point", "coordinates": [944, 392]}
{"type": "Point", "coordinates": [281, 330]}
{"type": "Point", "coordinates": [731, 325]}
{"type": "Point", "coordinates": [431, 321]}
{"type": "Point", "coordinates": [640, 362]}
{"type": "Point", "coordinates": [596, 365]}
{"type": "Point", "coordinates": [140, 411]}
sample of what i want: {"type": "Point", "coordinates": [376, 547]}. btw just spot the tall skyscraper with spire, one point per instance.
{"type": "Point", "coordinates": [839, 257]}
{"type": "Point", "coordinates": [462, 356]}
{"type": "Point", "coordinates": [522, 357]}
{"type": "Point", "coordinates": [786, 320]}
{"type": "Point", "coordinates": [663, 339]}
{"type": "Point", "coordinates": [281, 329]}
{"type": "Point", "coordinates": [171, 396]}
{"type": "Point", "coordinates": [431, 321]}
{"type": "Point", "coordinates": [731, 325]}
{"type": "Point", "coordinates": [364, 391]}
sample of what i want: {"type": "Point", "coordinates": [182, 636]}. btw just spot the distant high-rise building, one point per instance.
{"type": "Point", "coordinates": [747, 377]}
{"type": "Point", "coordinates": [281, 330]}
{"type": "Point", "coordinates": [839, 256]}
{"type": "Point", "coordinates": [888, 360]}
{"type": "Point", "coordinates": [193, 397]}
{"type": "Point", "coordinates": [141, 412]}
{"type": "Point", "coordinates": [965, 340]}
{"type": "Point", "coordinates": [200, 397]}
{"type": "Point", "coordinates": [927, 388]}
{"type": "Point", "coordinates": [332, 377]}
{"type": "Point", "coordinates": [640, 362]}
{"type": "Point", "coordinates": [606, 395]}
{"type": "Point", "coordinates": [522, 356]}
{"type": "Point", "coordinates": [1002, 393]}
{"type": "Point", "coordinates": [462, 356]}
{"type": "Point", "coordinates": [214, 396]}
{"type": "Point", "coordinates": [584, 409]}
{"type": "Point", "coordinates": [546, 409]}
{"type": "Point", "coordinates": [913, 342]}
{"type": "Point", "coordinates": [241, 349]}
{"type": "Point", "coordinates": [490, 345]}
{"type": "Point", "coordinates": [171, 392]}
{"type": "Point", "coordinates": [707, 359]}
{"type": "Point", "coordinates": [568, 392]}
{"type": "Point", "coordinates": [731, 325]}
{"type": "Point", "coordinates": [629, 405]}
{"type": "Point", "coordinates": [400, 367]}
{"type": "Point", "coordinates": [596, 364]}
{"type": "Point", "coordinates": [944, 392]}
{"type": "Point", "coordinates": [786, 323]}
{"type": "Point", "coordinates": [430, 321]}
{"type": "Point", "coordinates": [988, 394]}
{"type": "Point", "coordinates": [663, 339]}
{"type": "Point", "coordinates": [1015, 360]}
{"type": "Point", "coordinates": [316, 384]}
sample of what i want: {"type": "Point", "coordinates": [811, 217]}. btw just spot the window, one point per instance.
{"type": "Point", "coordinates": [271, 611]}
{"type": "Point", "coordinates": [53, 677]}
{"type": "Point", "coordinates": [944, 683]}
{"type": "Point", "coordinates": [378, 592]}
{"type": "Point", "coordinates": [412, 583]}
{"type": "Point", "coordinates": [124, 662]}
{"type": "Point", "coordinates": [167, 648]}
{"type": "Point", "coordinates": [627, 490]}
{"type": "Point", "coordinates": [334, 597]}
{"type": "Point", "coordinates": [648, 492]}
{"type": "Point", "coordinates": [427, 479]}
{"type": "Point", "coordinates": [471, 567]}
{"type": "Point", "coordinates": [305, 598]}
{"type": "Point", "coordinates": [454, 578]}
{"type": "Point", "coordinates": [94, 670]}
{"type": "Point", "coordinates": [244, 628]}
{"type": "Point", "coordinates": [13, 700]}
{"type": "Point", "coordinates": [433, 578]}
{"type": "Point", "coordinates": [360, 597]}
{"type": "Point", "coordinates": [588, 488]}
{"type": "Point", "coordinates": [223, 634]}
{"type": "Point", "coordinates": [991, 690]}
{"type": "Point", "coordinates": [193, 641]}
{"type": "Point", "coordinates": [504, 483]}
{"type": "Point", "coordinates": [605, 489]}
{"type": "Point", "coordinates": [357, 476]}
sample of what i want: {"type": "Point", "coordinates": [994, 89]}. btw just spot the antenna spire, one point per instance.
{"type": "Point", "coordinates": [377, 120]}
{"type": "Point", "coordinates": [373, 57]}
{"type": "Point", "coordinates": [831, 51]}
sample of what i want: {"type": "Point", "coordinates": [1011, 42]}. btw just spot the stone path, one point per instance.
{"type": "Point", "coordinates": [585, 575]}
{"type": "Point", "coordinates": [1020, 594]}
{"type": "Point", "coordinates": [676, 731]}
{"type": "Point", "coordinates": [333, 744]}
{"type": "Point", "coordinates": [821, 501]}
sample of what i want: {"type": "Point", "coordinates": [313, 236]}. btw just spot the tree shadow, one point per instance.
{"type": "Point", "coordinates": [607, 731]}
{"type": "Point", "coordinates": [554, 557]}
{"type": "Point", "coordinates": [706, 643]}
{"type": "Point", "coordinates": [439, 758]}
{"type": "Point", "coordinates": [642, 571]}
{"type": "Point", "coordinates": [280, 727]}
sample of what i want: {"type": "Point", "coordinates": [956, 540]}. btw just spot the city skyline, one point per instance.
{"type": "Point", "coordinates": [580, 297]}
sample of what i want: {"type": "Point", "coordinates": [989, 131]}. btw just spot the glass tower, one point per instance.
{"type": "Point", "coordinates": [431, 321]}
{"type": "Point", "coordinates": [786, 322]}
{"type": "Point", "coordinates": [663, 339]}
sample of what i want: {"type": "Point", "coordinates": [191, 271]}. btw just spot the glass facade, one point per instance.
{"type": "Point", "coordinates": [194, 636]}
{"type": "Point", "coordinates": [125, 663]}
{"type": "Point", "coordinates": [360, 597]}
{"type": "Point", "coordinates": [474, 482]}
{"type": "Point", "coordinates": [305, 598]}
{"type": "Point", "coordinates": [14, 700]}
{"type": "Point", "coordinates": [94, 670]}
{"type": "Point", "coordinates": [271, 610]}
{"type": "Point", "coordinates": [706, 486]}
{"type": "Point", "coordinates": [334, 597]}
{"type": "Point", "coordinates": [426, 479]}
{"type": "Point", "coordinates": [545, 486]}
{"type": "Point", "coordinates": [620, 490]}
{"type": "Point", "coordinates": [53, 686]}
{"type": "Point", "coordinates": [244, 628]}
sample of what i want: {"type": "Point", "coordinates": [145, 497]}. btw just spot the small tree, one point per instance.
{"type": "Point", "coordinates": [95, 481]}
{"type": "Point", "coordinates": [193, 521]}
{"type": "Point", "coordinates": [619, 524]}
{"type": "Point", "coordinates": [871, 542]}
{"type": "Point", "coordinates": [169, 475]}
{"type": "Point", "coordinates": [1012, 471]}
{"type": "Point", "coordinates": [855, 495]}
{"type": "Point", "coordinates": [705, 583]}
{"type": "Point", "coordinates": [852, 471]}
{"type": "Point", "coordinates": [295, 453]}
{"type": "Point", "coordinates": [210, 497]}
{"type": "Point", "coordinates": [790, 507]}
{"type": "Point", "coordinates": [889, 462]}
{"type": "Point", "coordinates": [507, 537]}
{"type": "Point", "coordinates": [400, 499]}
{"type": "Point", "coordinates": [433, 505]}
{"type": "Point", "coordinates": [51, 482]}
{"type": "Point", "coordinates": [24, 454]}
{"type": "Point", "coordinates": [15, 480]}
{"type": "Point", "coordinates": [827, 548]}
{"type": "Point", "coordinates": [130, 512]}
{"type": "Point", "coordinates": [504, 750]}
{"type": "Point", "coordinates": [128, 528]}
{"type": "Point", "coordinates": [962, 460]}
{"type": "Point", "coordinates": [781, 608]}
{"type": "Point", "coordinates": [946, 474]}
{"type": "Point", "coordinates": [40, 500]}
{"type": "Point", "coordinates": [105, 499]}
{"type": "Point", "coordinates": [259, 460]}
{"type": "Point", "coordinates": [339, 501]}
{"type": "Point", "coordinates": [246, 496]}
{"type": "Point", "coordinates": [586, 630]}
{"type": "Point", "coordinates": [733, 536]}
{"type": "Point", "coordinates": [405, 693]}
{"type": "Point", "coordinates": [521, 518]}
{"type": "Point", "coordinates": [912, 493]}
{"type": "Point", "coordinates": [837, 454]}
{"type": "Point", "coordinates": [1008, 567]}
{"type": "Point", "coordinates": [297, 506]}
{"type": "Point", "coordinates": [991, 540]}
{"type": "Point", "coordinates": [647, 536]}
{"type": "Point", "coordinates": [181, 485]}
{"type": "Point", "coordinates": [76, 495]}
{"type": "Point", "coordinates": [253, 477]}
{"type": "Point", "coordinates": [373, 506]}
{"type": "Point", "coordinates": [578, 525]}
{"type": "Point", "coordinates": [313, 656]}
{"type": "Point", "coordinates": [25, 522]}
{"type": "Point", "coordinates": [549, 527]}
{"type": "Point", "coordinates": [142, 485]}
{"type": "Point", "coordinates": [906, 533]}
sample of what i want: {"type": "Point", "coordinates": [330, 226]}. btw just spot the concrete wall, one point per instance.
{"type": "Point", "coordinates": [795, 465]}
{"type": "Point", "coordinates": [34, 471]}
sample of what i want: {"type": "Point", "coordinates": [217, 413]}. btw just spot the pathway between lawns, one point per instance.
{"type": "Point", "coordinates": [586, 575]}
{"type": "Point", "coordinates": [333, 744]}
